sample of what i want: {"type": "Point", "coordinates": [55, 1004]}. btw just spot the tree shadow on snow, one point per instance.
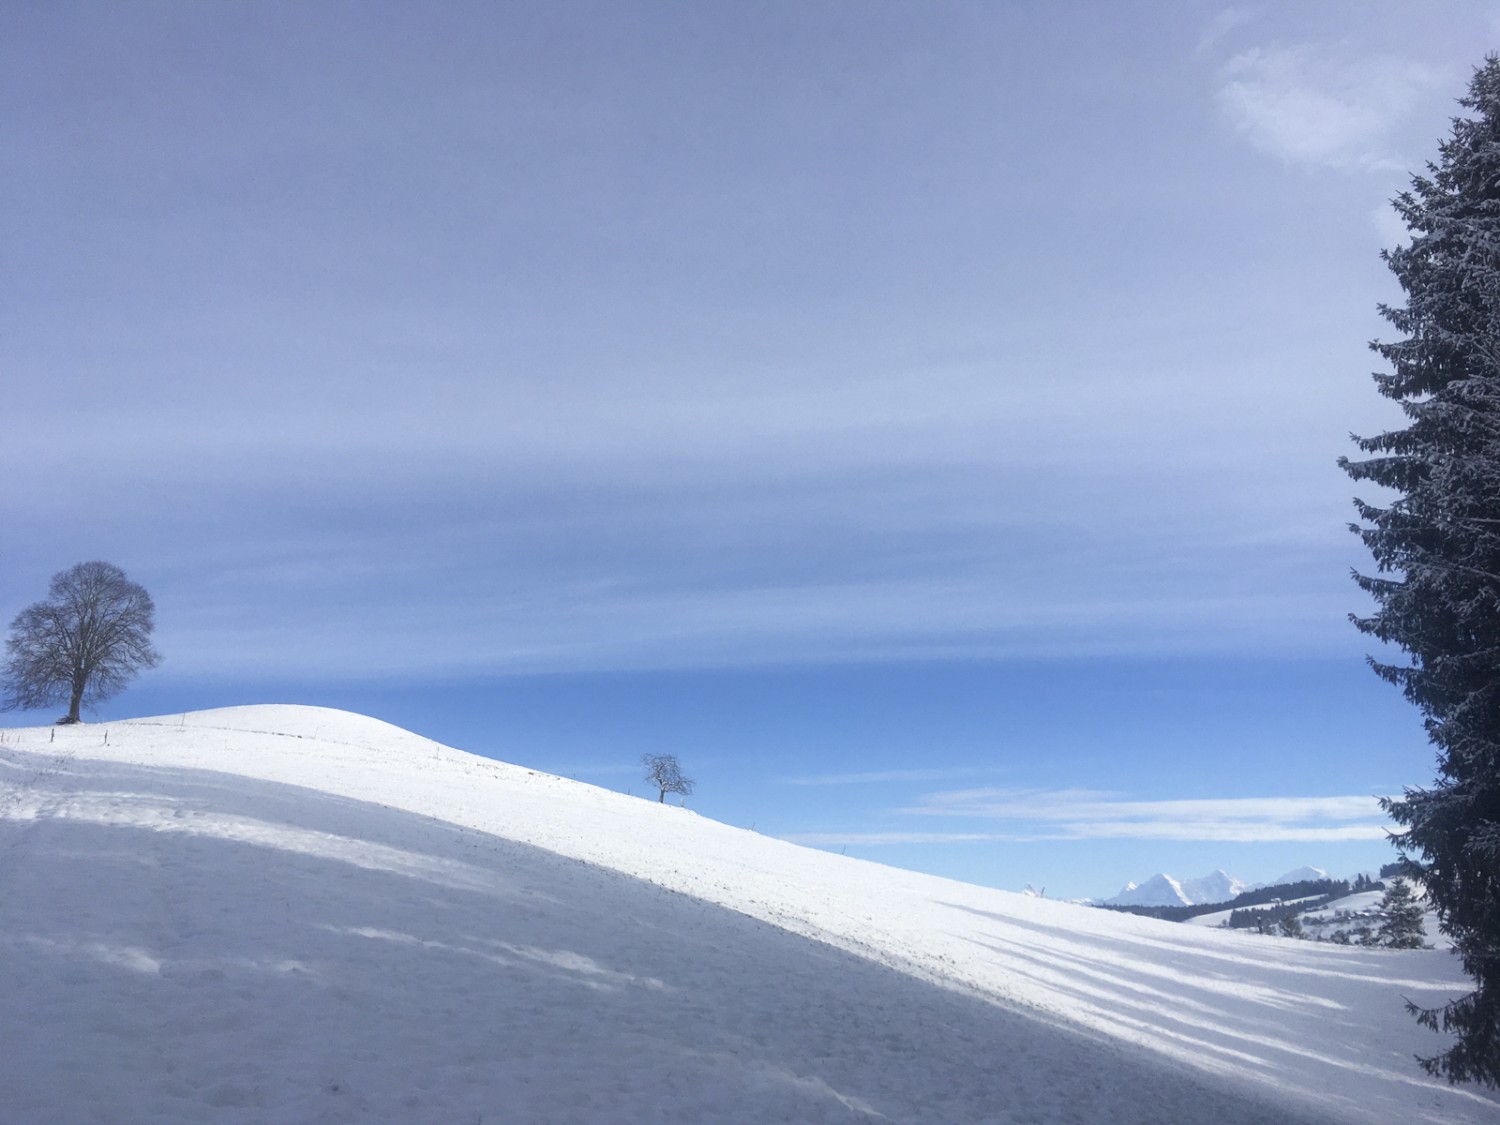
{"type": "Point", "coordinates": [1295, 1017]}
{"type": "Point", "coordinates": [184, 944]}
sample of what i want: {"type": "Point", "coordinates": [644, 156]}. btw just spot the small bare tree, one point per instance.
{"type": "Point", "coordinates": [83, 644]}
{"type": "Point", "coordinates": [663, 771]}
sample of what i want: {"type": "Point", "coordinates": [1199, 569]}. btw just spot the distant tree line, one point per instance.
{"type": "Point", "coordinates": [1282, 915]}
{"type": "Point", "coordinates": [1333, 888]}
{"type": "Point", "coordinates": [1397, 923]}
{"type": "Point", "coordinates": [1264, 918]}
{"type": "Point", "coordinates": [1165, 913]}
{"type": "Point", "coordinates": [1307, 888]}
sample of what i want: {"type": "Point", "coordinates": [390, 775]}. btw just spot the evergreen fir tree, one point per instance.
{"type": "Point", "coordinates": [1437, 552]}
{"type": "Point", "coordinates": [1404, 926]}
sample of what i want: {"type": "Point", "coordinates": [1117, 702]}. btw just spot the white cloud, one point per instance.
{"type": "Point", "coordinates": [935, 774]}
{"type": "Point", "coordinates": [1308, 107]}
{"type": "Point", "coordinates": [1080, 814]}
{"type": "Point", "coordinates": [1390, 228]}
{"type": "Point", "coordinates": [830, 839]}
{"type": "Point", "coordinates": [1222, 25]}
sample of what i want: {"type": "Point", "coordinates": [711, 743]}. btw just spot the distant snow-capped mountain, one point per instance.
{"type": "Point", "coordinates": [1218, 886]}
{"type": "Point", "coordinates": [1298, 875]}
{"type": "Point", "coordinates": [1163, 890]}
{"type": "Point", "coordinates": [1159, 890]}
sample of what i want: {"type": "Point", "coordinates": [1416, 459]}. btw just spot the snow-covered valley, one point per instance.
{"type": "Point", "coordinates": [292, 914]}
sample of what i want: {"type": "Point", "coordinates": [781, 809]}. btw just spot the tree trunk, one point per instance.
{"type": "Point", "coordinates": [75, 702]}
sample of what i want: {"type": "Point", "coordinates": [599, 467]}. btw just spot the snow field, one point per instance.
{"type": "Point", "coordinates": [293, 914]}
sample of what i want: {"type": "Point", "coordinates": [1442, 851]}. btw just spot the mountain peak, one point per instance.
{"type": "Point", "coordinates": [1159, 890]}
{"type": "Point", "coordinates": [1299, 875]}
{"type": "Point", "coordinates": [1164, 890]}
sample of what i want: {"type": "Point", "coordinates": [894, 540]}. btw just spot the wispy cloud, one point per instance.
{"type": "Point", "coordinates": [1081, 814]}
{"type": "Point", "coordinates": [831, 839]}
{"type": "Point", "coordinates": [1307, 106]}
{"type": "Point", "coordinates": [1389, 226]}
{"type": "Point", "coordinates": [1223, 25]}
{"type": "Point", "coordinates": [875, 776]}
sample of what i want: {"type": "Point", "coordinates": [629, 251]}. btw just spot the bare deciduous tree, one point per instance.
{"type": "Point", "coordinates": [663, 771]}
{"type": "Point", "coordinates": [83, 644]}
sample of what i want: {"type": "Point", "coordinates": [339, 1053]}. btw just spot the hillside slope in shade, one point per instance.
{"type": "Point", "coordinates": [302, 915]}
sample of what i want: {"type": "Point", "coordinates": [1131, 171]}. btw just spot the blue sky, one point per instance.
{"type": "Point", "coordinates": [920, 417]}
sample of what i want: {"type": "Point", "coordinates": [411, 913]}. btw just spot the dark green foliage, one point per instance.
{"type": "Point", "coordinates": [1329, 889]}
{"type": "Point", "coordinates": [1436, 547]}
{"type": "Point", "coordinates": [1267, 919]}
{"type": "Point", "coordinates": [1403, 926]}
{"type": "Point", "coordinates": [1165, 913]}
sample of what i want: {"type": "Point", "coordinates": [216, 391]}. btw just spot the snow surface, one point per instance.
{"type": "Point", "coordinates": [1216, 919]}
{"type": "Point", "coordinates": [291, 914]}
{"type": "Point", "coordinates": [1221, 917]}
{"type": "Point", "coordinates": [1324, 922]}
{"type": "Point", "coordinates": [1363, 906]}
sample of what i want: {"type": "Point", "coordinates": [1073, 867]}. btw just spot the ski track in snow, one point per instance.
{"type": "Point", "coordinates": [284, 914]}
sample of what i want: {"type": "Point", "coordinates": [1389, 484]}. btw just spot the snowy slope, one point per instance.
{"type": "Point", "coordinates": [1363, 908]}
{"type": "Point", "coordinates": [291, 914]}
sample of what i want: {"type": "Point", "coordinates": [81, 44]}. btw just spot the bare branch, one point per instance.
{"type": "Point", "coordinates": [84, 643]}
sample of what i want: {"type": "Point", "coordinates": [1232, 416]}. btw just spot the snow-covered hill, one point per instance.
{"type": "Point", "coordinates": [1353, 913]}
{"type": "Point", "coordinates": [298, 915]}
